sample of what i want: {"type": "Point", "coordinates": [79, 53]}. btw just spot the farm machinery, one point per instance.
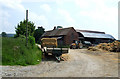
{"type": "Point", "coordinates": [50, 46]}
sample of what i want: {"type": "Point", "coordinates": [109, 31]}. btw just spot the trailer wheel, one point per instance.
{"type": "Point", "coordinates": [74, 47]}
{"type": "Point", "coordinates": [46, 54]}
{"type": "Point", "coordinates": [70, 47]}
{"type": "Point", "coordinates": [58, 58]}
{"type": "Point", "coordinates": [81, 46]}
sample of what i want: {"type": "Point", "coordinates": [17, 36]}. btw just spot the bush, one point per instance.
{"type": "Point", "coordinates": [22, 36]}
{"type": "Point", "coordinates": [32, 41]}
{"type": "Point", "coordinates": [14, 52]}
{"type": "Point", "coordinates": [4, 34]}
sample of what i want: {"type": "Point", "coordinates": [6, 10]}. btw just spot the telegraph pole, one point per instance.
{"type": "Point", "coordinates": [26, 27]}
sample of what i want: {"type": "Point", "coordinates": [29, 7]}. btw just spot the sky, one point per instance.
{"type": "Point", "coordinates": [96, 15]}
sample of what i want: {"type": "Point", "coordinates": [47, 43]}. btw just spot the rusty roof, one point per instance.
{"type": "Point", "coordinates": [58, 32]}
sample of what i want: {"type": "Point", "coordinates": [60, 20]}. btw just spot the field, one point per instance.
{"type": "Point", "coordinates": [14, 52]}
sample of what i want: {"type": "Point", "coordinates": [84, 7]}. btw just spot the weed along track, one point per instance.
{"type": "Point", "coordinates": [81, 63]}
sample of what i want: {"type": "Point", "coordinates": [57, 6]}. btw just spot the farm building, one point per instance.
{"type": "Point", "coordinates": [65, 36]}
{"type": "Point", "coordinates": [95, 37]}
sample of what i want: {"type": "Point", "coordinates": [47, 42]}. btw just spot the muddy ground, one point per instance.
{"type": "Point", "coordinates": [81, 63]}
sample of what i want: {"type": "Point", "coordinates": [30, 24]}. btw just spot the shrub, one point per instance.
{"type": "Point", "coordinates": [14, 52]}
{"type": "Point", "coordinates": [22, 36]}
{"type": "Point", "coordinates": [4, 34]}
{"type": "Point", "coordinates": [32, 41]}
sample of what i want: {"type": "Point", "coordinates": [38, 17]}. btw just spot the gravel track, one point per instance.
{"type": "Point", "coordinates": [80, 64]}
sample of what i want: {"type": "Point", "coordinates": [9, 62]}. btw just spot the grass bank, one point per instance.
{"type": "Point", "coordinates": [14, 52]}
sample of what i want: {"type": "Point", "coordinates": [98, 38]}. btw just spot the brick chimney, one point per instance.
{"type": "Point", "coordinates": [54, 28]}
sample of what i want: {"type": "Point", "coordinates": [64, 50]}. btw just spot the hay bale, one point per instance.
{"type": "Point", "coordinates": [93, 48]}
{"type": "Point", "coordinates": [65, 57]}
{"type": "Point", "coordinates": [114, 46]}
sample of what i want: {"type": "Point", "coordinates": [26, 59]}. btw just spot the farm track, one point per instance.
{"type": "Point", "coordinates": [81, 63]}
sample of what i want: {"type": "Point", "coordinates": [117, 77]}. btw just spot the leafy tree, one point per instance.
{"type": "Point", "coordinates": [21, 28]}
{"type": "Point", "coordinates": [4, 34]}
{"type": "Point", "coordinates": [38, 33]}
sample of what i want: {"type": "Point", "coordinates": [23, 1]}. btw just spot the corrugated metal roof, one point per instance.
{"type": "Point", "coordinates": [90, 31]}
{"type": "Point", "coordinates": [97, 35]}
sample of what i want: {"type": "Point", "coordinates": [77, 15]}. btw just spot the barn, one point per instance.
{"type": "Point", "coordinates": [65, 36]}
{"type": "Point", "coordinates": [95, 37]}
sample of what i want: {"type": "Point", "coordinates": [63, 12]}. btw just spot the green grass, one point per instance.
{"type": "Point", "coordinates": [14, 52]}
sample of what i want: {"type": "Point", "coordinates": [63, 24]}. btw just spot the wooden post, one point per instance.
{"type": "Point", "coordinates": [26, 27]}
{"type": "Point", "coordinates": [118, 32]}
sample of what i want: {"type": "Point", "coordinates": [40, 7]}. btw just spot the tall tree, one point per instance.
{"type": "Point", "coordinates": [21, 28]}
{"type": "Point", "coordinates": [4, 34]}
{"type": "Point", "coordinates": [38, 33]}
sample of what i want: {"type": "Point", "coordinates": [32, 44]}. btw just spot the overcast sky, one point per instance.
{"type": "Point", "coordinates": [96, 15]}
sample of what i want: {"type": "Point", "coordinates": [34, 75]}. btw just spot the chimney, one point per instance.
{"type": "Point", "coordinates": [54, 27]}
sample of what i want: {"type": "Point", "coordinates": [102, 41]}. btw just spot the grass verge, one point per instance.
{"type": "Point", "coordinates": [14, 52]}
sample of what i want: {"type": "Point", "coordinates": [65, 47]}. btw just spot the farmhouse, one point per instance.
{"type": "Point", "coordinates": [65, 36]}
{"type": "Point", "coordinates": [95, 37]}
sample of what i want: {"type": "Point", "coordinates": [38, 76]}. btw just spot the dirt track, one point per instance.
{"type": "Point", "coordinates": [82, 63]}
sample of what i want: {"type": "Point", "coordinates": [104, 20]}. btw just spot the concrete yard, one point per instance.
{"type": "Point", "coordinates": [81, 63]}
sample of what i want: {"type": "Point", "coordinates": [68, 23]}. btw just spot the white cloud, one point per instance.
{"type": "Point", "coordinates": [106, 14]}
{"type": "Point", "coordinates": [66, 15]}
{"type": "Point", "coordinates": [4, 23]}
{"type": "Point", "coordinates": [106, 19]}
{"type": "Point", "coordinates": [38, 19]}
{"type": "Point", "coordinates": [13, 4]}
{"type": "Point", "coordinates": [37, 0]}
{"type": "Point", "coordinates": [46, 7]}
{"type": "Point", "coordinates": [103, 14]}
{"type": "Point", "coordinates": [100, 10]}
{"type": "Point", "coordinates": [82, 3]}
{"type": "Point", "coordinates": [89, 4]}
{"type": "Point", "coordinates": [5, 7]}
{"type": "Point", "coordinates": [47, 1]}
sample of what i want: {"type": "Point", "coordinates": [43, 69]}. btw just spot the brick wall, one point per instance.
{"type": "Point", "coordinates": [72, 35]}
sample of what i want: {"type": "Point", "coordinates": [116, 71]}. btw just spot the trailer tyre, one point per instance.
{"type": "Point", "coordinates": [70, 47]}
{"type": "Point", "coordinates": [80, 46]}
{"type": "Point", "coordinates": [58, 59]}
{"type": "Point", "coordinates": [46, 54]}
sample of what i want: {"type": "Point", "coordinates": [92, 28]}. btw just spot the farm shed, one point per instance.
{"type": "Point", "coordinates": [65, 36]}
{"type": "Point", "coordinates": [95, 37]}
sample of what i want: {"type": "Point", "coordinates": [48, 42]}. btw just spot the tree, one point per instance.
{"type": "Point", "coordinates": [21, 28]}
{"type": "Point", "coordinates": [4, 34]}
{"type": "Point", "coordinates": [38, 33]}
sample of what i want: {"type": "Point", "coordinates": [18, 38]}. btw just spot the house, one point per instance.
{"type": "Point", "coordinates": [95, 37]}
{"type": "Point", "coordinates": [65, 36]}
